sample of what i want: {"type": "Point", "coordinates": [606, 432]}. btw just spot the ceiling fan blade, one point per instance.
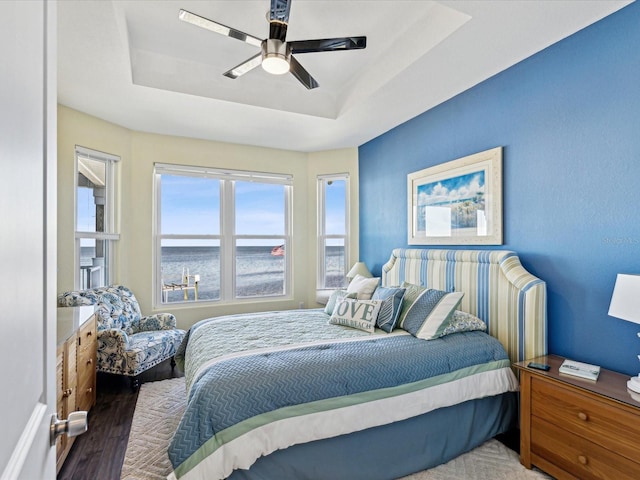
{"type": "Point", "coordinates": [244, 67]}
{"type": "Point", "coordinates": [301, 74]}
{"type": "Point", "coordinates": [279, 19]}
{"type": "Point", "coordinates": [328, 44]}
{"type": "Point", "coordinates": [203, 22]}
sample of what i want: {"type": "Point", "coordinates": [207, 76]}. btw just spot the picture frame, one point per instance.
{"type": "Point", "coordinates": [457, 202]}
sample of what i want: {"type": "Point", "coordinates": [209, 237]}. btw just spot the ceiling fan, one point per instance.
{"type": "Point", "coordinates": [276, 54]}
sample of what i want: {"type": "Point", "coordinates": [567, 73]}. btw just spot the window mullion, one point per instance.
{"type": "Point", "coordinates": [287, 240]}
{"type": "Point", "coordinates": [227, 242]}
{"type": "Point", "coordinates": [347, 221]}
{"type": "Point", "coordinates": [321, 233]}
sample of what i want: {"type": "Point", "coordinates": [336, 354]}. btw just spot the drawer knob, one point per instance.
{"type": "Point", "coordinates": [90, 389]}
{"type": "Point", "coordinates": [67, 392]}
{"type": "Point", "coordinates": [583, 416]}
{"type": "Point", "coordinates": [89, 361]}
{"type": "Point", "coordinates": [582, 459]}
{"type": "Point", "coordinates": [89, 333]}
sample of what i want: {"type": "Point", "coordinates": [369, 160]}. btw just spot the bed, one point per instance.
{"type": "Point", "coordinates": [282, 395]}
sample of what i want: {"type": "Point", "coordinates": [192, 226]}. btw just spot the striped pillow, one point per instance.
{"type": "Point", "coordinates": [390, 308]}
{"type": "Point", "coordinates": [429, 315]}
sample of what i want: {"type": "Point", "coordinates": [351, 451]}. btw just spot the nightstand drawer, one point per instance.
{"type": "Point", "coordinates": [593, 418]}
{"type": "Point", "coordinates": [578, 456]}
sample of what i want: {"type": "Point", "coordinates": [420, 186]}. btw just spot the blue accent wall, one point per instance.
{"type": "Point", "coordinates": [568, 119]}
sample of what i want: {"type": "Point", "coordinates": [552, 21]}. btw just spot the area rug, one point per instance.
{"type": "Point", "coordinates": [161, 404]}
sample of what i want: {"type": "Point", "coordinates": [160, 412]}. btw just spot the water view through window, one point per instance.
{"type": "Point", "coordinates": [259, 272]}
{"type": "Point", "coordinates": [219, 232]}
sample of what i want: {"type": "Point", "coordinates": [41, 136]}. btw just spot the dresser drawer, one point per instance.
{"type": "Point", "coordinates": [599, 421]}
{"type": "Point", "coordinates": [87, 333]}
{"type": "Point", "coordinates": [86, 396]}
{"type": "Point", "coordinates": [86, 358]}
{"type": "Point", "coordinates": [86, 362]}
{"type": "Point", "coordinates": [578, 456]}
{"type": "Point", "coordinates": [86, 375]}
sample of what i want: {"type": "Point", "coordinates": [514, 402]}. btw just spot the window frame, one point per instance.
{"type": "Point", "coordinates": [110, 234]}
{"type": "Point", "coordinates": [227, 237]}
{"type": "Point", "coordinates": [322, 235]}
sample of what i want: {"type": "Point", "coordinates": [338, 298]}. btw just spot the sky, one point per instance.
{"type": "Point", "coordinates": [191, 206]}
{"type": "Point", "coordinates": [451, 189]}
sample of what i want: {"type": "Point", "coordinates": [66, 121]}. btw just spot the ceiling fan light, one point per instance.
{"type": "Point", "coordinates": [275, 56]}
{"type": "Point", "coordinates": [275, 64]}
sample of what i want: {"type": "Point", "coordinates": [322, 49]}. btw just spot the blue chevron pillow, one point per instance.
{"type": "Point", "coordinates": [360, 314]}
{"type": "Point", "coordinates": [412, 292]}
{"type": "Point", "coordinates": [390, 307]}
{"type": "Point", "coordinates": [429, 315]}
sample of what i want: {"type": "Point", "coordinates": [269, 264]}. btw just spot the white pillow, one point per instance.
{"type": "Point", "coordinates": [363, 286]}
{"type": "Point", "coordinates": [360, 314]}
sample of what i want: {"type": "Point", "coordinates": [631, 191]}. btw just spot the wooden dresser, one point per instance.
{"type": "Point", "coordinates": [578, 429]}
{"type": "Point", "coordinates": [75, 368]}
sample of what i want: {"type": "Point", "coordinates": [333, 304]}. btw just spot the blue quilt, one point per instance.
{"type": "Point", "coordinates": [310, 368]}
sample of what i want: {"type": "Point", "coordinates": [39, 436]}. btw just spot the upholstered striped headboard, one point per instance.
{"type": "Point", "coordinates": [497, 288]}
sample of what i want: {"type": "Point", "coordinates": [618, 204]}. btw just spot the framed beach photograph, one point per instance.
{"type": "Point", "coordinates": [458, 202]}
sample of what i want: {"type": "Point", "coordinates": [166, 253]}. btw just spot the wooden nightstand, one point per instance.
{"type": "Point", "coordinates": [578, 429]}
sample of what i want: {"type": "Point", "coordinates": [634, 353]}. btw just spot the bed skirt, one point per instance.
{"type": "Point", "coordinates": [391, 451]}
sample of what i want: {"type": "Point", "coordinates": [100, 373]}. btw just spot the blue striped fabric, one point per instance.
{"type": "Point", "coordinates": [497, 288]}
{"type": "Point", "coordinates": [390, 309]}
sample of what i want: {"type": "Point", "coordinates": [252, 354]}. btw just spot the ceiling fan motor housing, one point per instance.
{"type": "Point", "coordinates": [275, 56]}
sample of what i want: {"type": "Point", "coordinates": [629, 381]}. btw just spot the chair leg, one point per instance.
{"type": "Point", "coordinates": [173, 363]}
{"type": "Point", "coordinates": [135, 383]}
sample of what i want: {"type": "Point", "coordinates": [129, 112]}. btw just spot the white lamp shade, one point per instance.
{"type": "Point", "coordinates": [625, 300]}
{"type": "Point", "coordinates": [359, 268]}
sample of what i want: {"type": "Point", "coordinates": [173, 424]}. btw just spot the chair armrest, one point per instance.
{"type": "Point", "coordinates": [157, 321]}
{"type": "Point", "coordinates": [113, 339]}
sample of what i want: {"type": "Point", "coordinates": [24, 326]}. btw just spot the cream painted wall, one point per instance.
{"type": "Point", "coordinates": [75, 128]}
{"type": "Point", "coordinates": [139, 151]}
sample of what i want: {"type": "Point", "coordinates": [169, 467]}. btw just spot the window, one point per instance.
{"type": "Point", "coordinates": [333, 230]}
{"type": "Point", "coordinates": [95, 220]}
{"type": "Point", "coordinates": [221, 235]}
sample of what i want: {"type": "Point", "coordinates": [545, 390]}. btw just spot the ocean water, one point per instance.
{"type": "Point", "coordinates": [258, 273]}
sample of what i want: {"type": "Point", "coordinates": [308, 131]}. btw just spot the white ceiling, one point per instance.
{"type": "Point", "coordinates": [135, 64]}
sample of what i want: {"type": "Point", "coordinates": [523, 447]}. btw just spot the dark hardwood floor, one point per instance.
{"type": "Point", "coordinates": [98, 454]}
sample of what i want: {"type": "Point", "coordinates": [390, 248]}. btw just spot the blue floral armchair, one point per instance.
{"type": "Point", "coordinates": [128, 343]}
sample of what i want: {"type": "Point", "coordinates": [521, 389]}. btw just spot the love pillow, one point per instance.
{"type": "Point", "coordinates": [360, 314]}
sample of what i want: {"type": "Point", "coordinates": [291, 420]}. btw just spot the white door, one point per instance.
{"type": "Point", "coordinates": [27, 237]}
